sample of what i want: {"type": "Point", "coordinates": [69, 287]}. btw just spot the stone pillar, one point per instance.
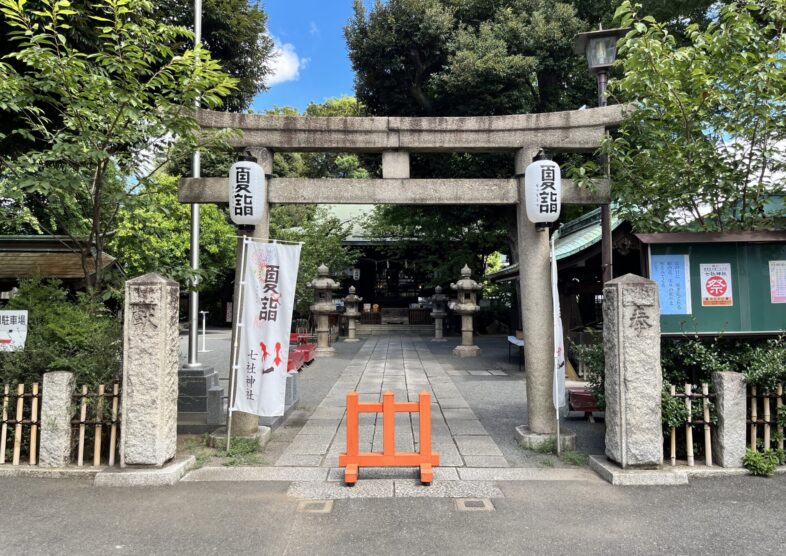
{"type": "Point", "coordinates": [536, 311]}
{"type": "Point", "coordinates": [247, 424]}
{"type": "Point", "coordinates": [631, 342]}
{"type": "Point", "coordinates": [395, 164]}
{"type": "Point", "coordinates": [728, 442]}
{"type": "Point", "coordinates": [352, 302]}
{"type": "Point", "coordinates": [438, 312]}
{"type": "Point", "coordinates": [151, 348]}
{"type": "Point", "coordinates": [56, 412]}
{"type": "Point", "coordinates": [466, 306]}
{"type": "Point", "coordinates": [323, 307]}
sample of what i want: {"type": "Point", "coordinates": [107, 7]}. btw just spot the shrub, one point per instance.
{"type": "Point", "coordinates": [761, 464]}
{"type": "Point", "coordinates": [591, 355]}
{"type": "Point", "coordinates": [79, 335]}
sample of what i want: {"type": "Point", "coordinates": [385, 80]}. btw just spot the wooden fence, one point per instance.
{"type": "Point", "coordinates": [696, 403]}
{"type": "Point", "coordinates": [96, 423]}
{"type": "Point", "coordinates": [761, 414]}
{"type": "Point", "coordinates": [19, 425]}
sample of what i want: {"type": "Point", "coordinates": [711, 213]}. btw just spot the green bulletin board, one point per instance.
{"type": "Point", "coordinates": [697, 295]}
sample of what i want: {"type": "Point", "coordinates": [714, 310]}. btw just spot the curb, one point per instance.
{"type": "Point", "coordinates": [35, 472]}
{"type": "Point", "coordinates": [167, 475]}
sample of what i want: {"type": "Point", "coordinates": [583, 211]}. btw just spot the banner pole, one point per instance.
{"type": "Point", "coordinates": [558, 446]}
{"type": "Point", "coordinates": [237, 328]}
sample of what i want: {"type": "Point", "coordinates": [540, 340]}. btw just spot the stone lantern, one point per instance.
{"type": "Point", "coordinates": [323, 307]}
{"type": "Point", "coordinates": [439, 310]}
{"type": "Point", "coordinates": [466, 306]}
{"type": "Point", "coordinates": [351, 302]}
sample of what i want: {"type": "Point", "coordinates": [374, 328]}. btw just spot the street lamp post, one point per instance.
{"type": "Point", "coordinates": [600, 48]}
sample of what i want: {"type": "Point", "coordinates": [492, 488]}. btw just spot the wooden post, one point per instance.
{"type": "Point", "coordinates": [4, 425]}
{"type": "Point", "coordinates": [673, 392]}
{"type": "Point", "coordinates": [34, 425]}
{"type": "Point", "coordinates": [778, 405]}
{"type": "Point", "coordinates": [99, 413]}
{"type": "Point", "coordinates": [689, 426]}
{"type": "Point", "coordinates": [754, 418]}
{"type": "Point", "coordinates": [766, 401]}
{"type": "Point", "coordinates": [705, 392]}
{"type": "Point", "coordinates": [113, 430]}
{"type": "Point", "coordinates": [82, 416]}
{"type": "Point", "coordinates": [20, 411]}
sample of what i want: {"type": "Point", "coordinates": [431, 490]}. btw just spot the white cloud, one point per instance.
{"type": "Point", "coordinates": [286, 64]}
{"type": "Point", "coordinates": [312, 28]}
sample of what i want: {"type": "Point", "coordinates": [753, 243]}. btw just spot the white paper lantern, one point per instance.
{"type": "Point", "coordinates": [543, 191]}
{"type": "Point", "coordinates": [247, 193]}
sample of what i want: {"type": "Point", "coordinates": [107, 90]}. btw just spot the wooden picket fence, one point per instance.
{"type": "Point", "coordinates": [760, 414]}
{"type": "Point", "coordinates": [20, 422]}
{"type": "Point", "coordinates": [695, 404]}
{"type": "Point", "coordinates": [96, 422]}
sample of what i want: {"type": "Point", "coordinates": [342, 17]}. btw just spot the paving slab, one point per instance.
{"type": "Point", "coordinates": [477, 446]}
{"type": "Point", "coordinates": [380, 488]}
{"type": "Point", "coordinates": [486, 461]}
{"type": "Point", "coordinates": [446, 489]}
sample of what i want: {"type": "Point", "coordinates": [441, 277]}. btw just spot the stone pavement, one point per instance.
{"type": "Point", "coordinates": [405, 366]}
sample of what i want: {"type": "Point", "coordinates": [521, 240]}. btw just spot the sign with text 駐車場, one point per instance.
{"type": "Point", "coordinates": [716, 287]}
{"type": "Point", "coordinates": [13, 330]}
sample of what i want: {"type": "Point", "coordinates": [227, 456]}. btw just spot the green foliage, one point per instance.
{"type": "Point", "coordinates": [548, 446]}
{"type": "Point", "coordinates": [153, 235]}
{"type": "Point", "coordinates": [242, 451]}
{"type": "Point", "coordinates": [94, 124]}
{"type": "Point", "coordinates": [81, 336]}
{"type": "Point", "coordinates": [701, 145]}
{"type": "Point", "coordinates": [592, 356]}
{"type": "Point", "coordinates": [761, 464]}
{"type": "Point", "coordinates": [764, 365]}
{"type": "Point", "coordinates": [674, 413]}
{"type": "Point", "coordinates": [781, 417]}
{"type": "Point", "coordinates": [691, 359]}
{"type": "Point", "coordinates": [576, 458]}
{"type": "Point", "coordinates": [322, 235]}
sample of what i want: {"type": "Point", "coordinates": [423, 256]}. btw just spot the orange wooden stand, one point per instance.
{"type": "Point", "coordinates": [353, 460]}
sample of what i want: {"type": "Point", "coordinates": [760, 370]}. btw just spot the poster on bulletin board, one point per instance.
{"type": "Point", "coordinates": [672, 274]}
{"type": "Point", "coordinates": [716, 290]}
{"type": "Point", "coordinates": [777, 281]}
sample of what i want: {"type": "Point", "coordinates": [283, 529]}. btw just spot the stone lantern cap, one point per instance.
{"type": "Point", "coordinates": [466, 287]}
{"type": "Point", "coordinates": [352, 297]}
{"type": "Point", "coordinates": [323, 281]}
{"type": "Point", "coordinates": [438, 303]}
{"type": "Point", "coordinates": [465, 283]}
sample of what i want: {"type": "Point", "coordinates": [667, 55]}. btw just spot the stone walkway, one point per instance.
{"type": "Point", "coordinates": [405, 366]}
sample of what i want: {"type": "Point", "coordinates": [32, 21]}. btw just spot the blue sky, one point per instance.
{"type": "Point", "coordinates": [312, 64]}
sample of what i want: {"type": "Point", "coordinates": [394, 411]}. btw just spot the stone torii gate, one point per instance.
{"type": "Point", "coordinates": [396, 137]}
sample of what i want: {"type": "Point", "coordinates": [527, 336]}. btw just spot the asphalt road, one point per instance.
{"type": "Point", "coordinates": [741, 515]}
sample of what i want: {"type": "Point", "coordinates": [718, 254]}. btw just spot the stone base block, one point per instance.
{"type": "Point", "coordinates": [131, 476]}
{"type": "Point", "coordinates": [351, 340]}
{"type": "Point", "coordinates": [438, 340]}
{"type": "Point", "coordinates": [616, 475]}
{"type": "Point", "coordinates": [218, 438]}
{"type": "Point", "coordinates": [325, 352]}
{"type": "Point", "coordinates": [531, 440]}
{"type": "Point", "coordinates": [466, 351]}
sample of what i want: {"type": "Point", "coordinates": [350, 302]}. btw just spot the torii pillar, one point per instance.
{"type": "Point", "coordinates": [537, 321]}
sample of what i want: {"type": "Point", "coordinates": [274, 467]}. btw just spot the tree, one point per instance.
{"type": "Point", "coordinates": [153, 235]}
{"type": "Point", "coordinates": [702, 146]}
{"type": "Point", "coordinates": [96, 124]}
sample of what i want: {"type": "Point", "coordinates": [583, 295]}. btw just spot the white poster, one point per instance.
{"type": "Point", "coordinates": [672, 274]}
{"type": "Point", "coordinates": [13, 330]}
{"type": "Point", "coordinates": [777, 282]}
{"type": "Point", "coordinates": [268, 298]}
{"type": "Point", "coordinates": [558, 389]}
{"type": "Point", "coordinates": [716, 288]}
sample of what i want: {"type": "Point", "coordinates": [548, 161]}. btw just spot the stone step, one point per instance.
{"type": "Point", "coordinates": [397, 329]}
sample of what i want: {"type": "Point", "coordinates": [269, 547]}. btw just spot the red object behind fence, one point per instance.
{"type": "Point", "coordinates": [352, 460]}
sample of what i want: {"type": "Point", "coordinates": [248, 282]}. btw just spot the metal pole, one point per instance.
{"type": "Point", "coordinates": [559, 449]}
{"type": "Point", "coordinates": [204, 331]}
{"type": "Point", "coordinates": [240, 277]}
{"type": "Point", "coordinates": [605, 210]}
{"type": "Point", "coordinates": [196, 172]}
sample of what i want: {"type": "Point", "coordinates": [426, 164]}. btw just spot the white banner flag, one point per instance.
{"type": "Point", "coordinates": [558, 390]}
{"type": "Point", "coordinates": [268, 299]}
